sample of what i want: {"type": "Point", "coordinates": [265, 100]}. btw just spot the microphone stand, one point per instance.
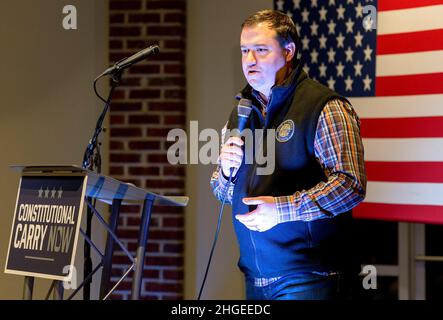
{"type": "Point", "coordinates": [92, 161]}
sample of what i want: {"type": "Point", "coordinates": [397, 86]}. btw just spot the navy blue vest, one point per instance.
{"type": "Point", "coordinates": [322, 245]}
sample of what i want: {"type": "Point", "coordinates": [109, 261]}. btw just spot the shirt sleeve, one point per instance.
{"type": "Point", "coordinates": [339, 150]}
{"type": "Point", "coordinates": [219, 184]}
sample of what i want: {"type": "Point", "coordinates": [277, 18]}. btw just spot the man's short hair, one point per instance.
{"type": "Point", "coordinates": [278, 21]}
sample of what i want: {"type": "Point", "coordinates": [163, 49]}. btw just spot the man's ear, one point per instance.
{"type": "Point", "coordinates": [290, 51]}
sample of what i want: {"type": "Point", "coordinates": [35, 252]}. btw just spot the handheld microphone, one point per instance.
{"type": "Point", "coordinates": [127, 62]}
{"type": "Point", "coordinates": [244, 109]}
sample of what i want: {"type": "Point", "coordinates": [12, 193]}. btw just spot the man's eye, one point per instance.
{"type": "Point", "coordinates": [262, 50]}
{"type": "Point", "coordinates": [244, 51]}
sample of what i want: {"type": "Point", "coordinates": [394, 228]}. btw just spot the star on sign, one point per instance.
{"type": "Point", "coordinates": [349, 26]}
{"type": "Point", "coordinates": [53, 192]}
{"type": "Point", "coordinates": [340, 41]}
{"type": "Point", "coordinates": [298, 28]}
{"type": "Point", "coordinates": [341, 12]}
{"type": "Point", "coordinates": [367, 83]}
{"type": "Point", "coordinates": [340, 67]}
{"type": "Point", "coordinates": [46, 192]}
{"type": "Point", "coordinates": [322, 69]}
{"type": "Point", "coordinates": [314, 28]}
{"type": "Point", "coordinates": [357, 67]}
{"type": "Point", "coordinates": [331, 83]}
{"type": "Point", "coordinates": [40, 192]}
{"type": "Point", "coordinates": [331, 55]}
{"type": "Point", "coordinates": [349, 53]}
{"type": "Point", "coordinates": [358, 39]}
{"type": "Point", "coordinates": [322, 40]}
{"type": "Point", "coordinates": [331, 27]}
{"type": "Point", "coordinates": [314, 56]}
{"type": "Point", "coordinates": [350, 1]}
{"type": "Point", "coordinates": [332, 2]}
{"type": "Point", "coordinates": [359, 11]}
{"type": "Point", "coordinates": [60, 192]}
{"type": "Point", "coordinates": [322, 13]}
{"type": "Point", "coordinates": [313, 3]}
{"type": "Point", "coordinates": [305, 43]}
{"type": "Point", "coordinates": [306, 68]}
{"type": "Point", "coordinates": [280, 4]}
{"type": "Point", "coordinates": [349, 82]}
{"type": "Point", "coordinates": [368, 52]}
{"type": "Point", "coordinates": [296, 4]}
{"type": "Point", "coordinates": [305, 15]}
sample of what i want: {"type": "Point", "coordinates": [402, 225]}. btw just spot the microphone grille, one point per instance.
{"type": "Point", "coordinates": [244, 108]}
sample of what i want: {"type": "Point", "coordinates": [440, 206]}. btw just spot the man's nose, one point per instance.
{"type": "Point", "coordinates": [250, 58]}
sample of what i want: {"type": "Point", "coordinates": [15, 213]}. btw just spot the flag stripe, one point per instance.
{"type": "Point", "coordinates": [409, 63]}
{"type": "Point", "coordinates": [410, 42]}
{"type": "Point", "coordinates": [405, 171]}
{"type": "Point", "coordinates": [404, 106]}
{"type": "Point", "coordinates": [430, 127]}
{"type": "Point", "coordinates": [405, 193]}
{"type": "Point", "coordinates": [410, 20]}
{"type": "Point", "coordinates": [402, 4]}
{"type": "Point", "coordinates": [430, 83]}
{"type": "Point", "coordinates": [419, 149]}
{"type": "Point", "coordinates": [396, 212]}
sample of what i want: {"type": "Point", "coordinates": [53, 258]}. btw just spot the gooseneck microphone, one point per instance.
{"type": "Point", "coordinates": [127, 62]}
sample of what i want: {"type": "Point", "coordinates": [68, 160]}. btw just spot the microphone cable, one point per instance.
{"type": "Point", "coordinates": [220, 215]}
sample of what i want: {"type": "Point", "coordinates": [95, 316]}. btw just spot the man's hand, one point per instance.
{"type": "Point", "coordinates": [231, 155]}
{"type": "Point", "coordinates": [263, 218]}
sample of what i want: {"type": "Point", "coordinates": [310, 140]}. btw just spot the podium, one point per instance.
{"type": "Point", "coordinates": [46, 187]}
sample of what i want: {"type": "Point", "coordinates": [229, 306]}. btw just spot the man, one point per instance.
{"type": "Point", "coordinates": [294, 226]}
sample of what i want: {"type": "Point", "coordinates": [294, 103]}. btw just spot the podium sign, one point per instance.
{"type": "Point", "coordinates": [46, 225]}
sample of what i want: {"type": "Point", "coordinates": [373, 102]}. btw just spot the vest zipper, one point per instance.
{"type": "Point", "coordinates": [255, 253]}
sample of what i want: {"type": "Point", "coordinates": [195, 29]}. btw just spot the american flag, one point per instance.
{"type": "Point", "coordinates": [387, 57]}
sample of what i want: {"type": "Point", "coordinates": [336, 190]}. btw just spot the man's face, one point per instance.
{"type": "Point", "coordinates": [263, 59]}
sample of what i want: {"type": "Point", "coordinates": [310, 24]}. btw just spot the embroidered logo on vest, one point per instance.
{"type": "Point", "coordinates": [285, 131]}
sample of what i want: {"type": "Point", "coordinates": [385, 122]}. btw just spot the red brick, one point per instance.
{"type": "Point", "coordinates": [126, 132]}
{"type": "Point", "coordinates": [175, 119]}
{"type": "Point", "coordinates": [118, 95]}
{"type": "Point", "coordinates": [152, 247]}
{"type": "Point", "coordinates": [116, 18]}
{"type": "Point", "coordinates": [167, 106]}
{"type": "Point", "coordinates": [175, 44]}
{"type": "Point", "coordinates": [165, 31]}
{"type": "Point", "coordinates": [173, 222]}
{"type": "Point", "coordinates": [165, 82]}
{"type": "Point", "coordinates": [129, 82]}
{"type": "Point", "coordinates": [126, 106]}
{"type": "Point", "coordinates": [175, 94]}
{"type": "Point", "coordinates": [144, 17]}
{"type": "Point", "coordinates": [174, 171]}
{"type": "Point", "coordinates": [140, 44]}
{"type": "Point", "coordinates": [151, 273]}
{"type": "Point", "coordinates": [117, 119]}
{"type": "Point", "coordinates": [116, 145]}
{"type": "Point", "coordinates": [123, 157]}
{"type": "Point", "coordinates": [125, 5]}
{"type": "Point", "coordinates": [166, 235]}
{"type": "Point", "coordinates": [125, 31]}
{"type": "Point", "coordinates": [144, 94]}
{"type": "Point", "coordinates": [144, 119]}
{"type": "Point", "coordinates": [154, 132]}
{"type": "Point", "coordinates": [163, 287]}
{"type": "Point", "coordinates": [166, 4]}
{"type": "Point", "coordinates": [144, 69]}
{"type": "Point", "coordinates": [173, 248]}
{"type": "Point", "coordinates": [116, 44]}
{"type": "Point", "coordinates": [130, 209]}
{"type": "Point", "coordinates": [144, 171]}
{"type": "Point", "coordinates": [175, 17]}
{"type": "Point", "coordinates": [115, 170]}
{"type": "Point", "coordinates": [164, 184]}
{"type": "Point", "coordinates": [168, 209]}
{"type": "Point", "coordinates": [144, 145]}
{"type": "Point", "coordinates": [164, 261]}
{"type": "Point", "coordinates": [157, 158]}
{"type": "Point", "coordinates": [169, 56]}
{"type": "Point", "coordinates": [173, 274]}
{"type": "Point", "coordinates": [174, 68]}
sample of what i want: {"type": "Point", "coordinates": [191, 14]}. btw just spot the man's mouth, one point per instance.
{"type": "Point", "coordinates": [251, 72]}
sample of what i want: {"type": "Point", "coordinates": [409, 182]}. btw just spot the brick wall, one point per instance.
{"type": "Point", "coordinates": [148, 103]}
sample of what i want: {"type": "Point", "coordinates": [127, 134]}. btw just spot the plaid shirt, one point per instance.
{"type": "Point", "coordinates": [339, 150]}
